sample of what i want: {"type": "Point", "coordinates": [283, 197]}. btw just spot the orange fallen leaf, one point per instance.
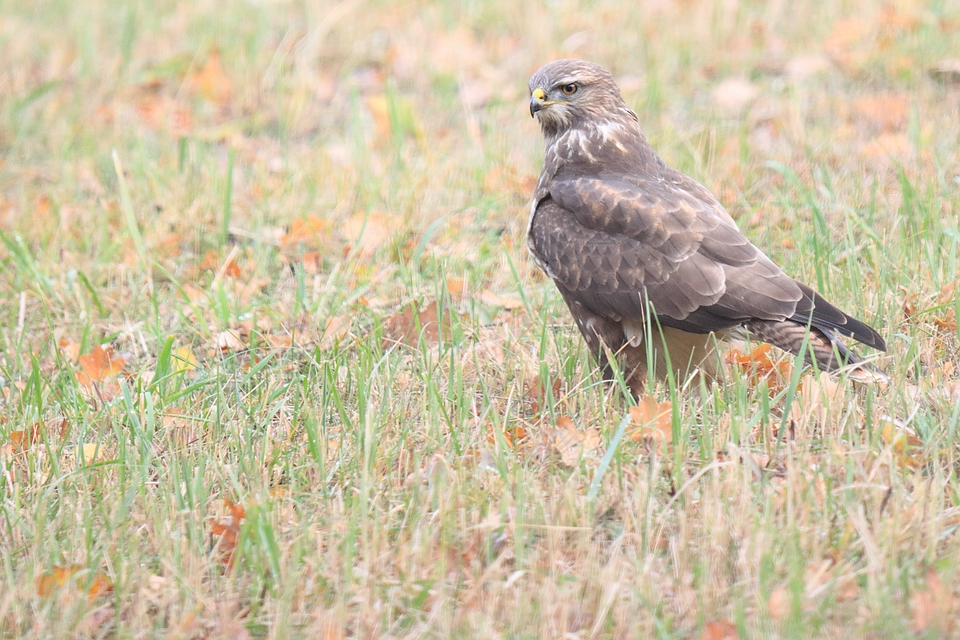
{"type": "Point", "coordinates": [414, 324]}
{"type": "Point", "coordinates": [758, 365]}
{"type": "Point", "coordinates": [720, 630]}
{"type": "Point", "coordinates": [210, 80]}
{"type": "Point", "coordinates": [211, 262]}
{"type": "Point", "coordinates": [58, 577]}
{"type": "Point", "coordinates": [932, 605]}
{"type": "Point", "coordinates": [23, 439]}
{"type": "Point", "coordinates": [366, 233]}
{"type": "Point", "coordinates": [455, 286]}
{"type": "Point", "coordinates": [70, 350]}
{"type": "Point", "coordinates": [778, 605]}
{"type": "Point", "coordinates": [536, 392]}
{"type": "Point", "coordinates": [494, 300]}
{"type": "Point", "coordinates": [652, 421]}
{"type": "Point", "coordinates": [27, 437]}
{"type": "Point", "coordinates": [99, 364]}
{"type": "Point", "coordinates": [570, 443]}
{"type": "Point", "coordinates": [886, 111]}
{"type": "Point", "coordinates": [948, 323]}
{"type": "Point", "coordinates": [229, 340]}
{"type": "Point", "coordinates": [306, 233]}
{"type": "Point", "coordinates": [512, 436]}
{"type": "Point", "coordinates": [228, 532]}
{"type": "Point", "coordinates": [905, 445]}
{"type": "Point", "coordinates": [183, 360]}
{"type": "Point", "coordinates": [334, 330]}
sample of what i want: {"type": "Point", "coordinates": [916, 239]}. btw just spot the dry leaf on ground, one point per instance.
{"type": "Point", "coordinates": [99, 364]}
{"type": "Point", "coordinates": [513, 436]}
{"type": "Point", "coordinates": [720, 630]}
{"type": "Point", "coordinates": [536, 393]}
{"type": "Point", "coordinates": [27, 437]}
{"type": "Point", "coordinates": [183, 360]}
{"type": "Point", "coordinates": [413, 324]}
{"type": "Point", "coordinates": [904, 444]}
{"type": "Point", "coordinates": [758, 366]}
{"type": "Point", "coordinates": [570, 443]}
{"type": "Point", "coordinates": [652, 421]}
{"type": "Point", "coordinates": [366, 233]}
{"type": "Point", "coordinates": [778, 604]}
{"type": "Point", "coordinates": [58, 577]}
{"type": "Point", "coordinates": [210, 80]}
{"type": "Point", "coordinates": [229, 340]}
{"type": "Point", "coordinates": [211, 262]}
{"type": "Point", "coordinates": [334, 330]}
{"type": "Point", "coordinates": [932, 606]}
{"type": "Point", "coordinates": [507, 302]}
{"type": "Point", "coordinates": [228, 533]}
{"type": "Point", "coordinates": [308, 233]}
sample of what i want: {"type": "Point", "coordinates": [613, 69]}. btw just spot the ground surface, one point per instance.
{"type": "Point", "coordinates": [242, 200]}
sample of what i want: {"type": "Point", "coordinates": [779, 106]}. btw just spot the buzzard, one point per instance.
{"type": "Point", "coordinates": [650, 264]}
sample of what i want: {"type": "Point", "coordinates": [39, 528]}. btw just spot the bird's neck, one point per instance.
{"type": "Point", "coordinates": [615, 139]}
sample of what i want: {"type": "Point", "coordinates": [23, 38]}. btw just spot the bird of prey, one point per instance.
{"type": "Point", "coordinates": [650, 264]}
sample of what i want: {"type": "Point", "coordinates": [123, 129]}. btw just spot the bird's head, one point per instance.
{"type": "Point", "coordinates": [564, 92]}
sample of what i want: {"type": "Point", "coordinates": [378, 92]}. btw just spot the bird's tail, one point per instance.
{"type": "Point", "coordinates": [821, 347]}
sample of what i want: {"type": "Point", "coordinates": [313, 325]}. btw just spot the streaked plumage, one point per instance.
{"type": "Point", "coordinates": [620, 232]}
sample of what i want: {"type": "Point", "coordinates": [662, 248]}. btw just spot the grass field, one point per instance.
{"type": "Point", "coordinates": [337, 399]}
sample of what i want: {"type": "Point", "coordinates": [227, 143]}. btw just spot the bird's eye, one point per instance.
{"type": "Point", "coordinates": [569, 89]}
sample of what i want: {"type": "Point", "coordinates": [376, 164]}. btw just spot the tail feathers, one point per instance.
{"type": "Point", "coordinates": [827, 317]}
{"type": "Point", "coordinates": [821, 346]}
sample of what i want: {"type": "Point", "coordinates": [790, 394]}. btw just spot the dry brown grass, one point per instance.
{"type": "Point", "coordinates": [296, 175]}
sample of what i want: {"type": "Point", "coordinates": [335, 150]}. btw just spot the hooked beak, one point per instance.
{"type": "Point", "coordinates": [537, 100]}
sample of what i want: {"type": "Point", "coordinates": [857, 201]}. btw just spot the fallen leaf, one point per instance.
{"type": "Point", "coordinates": [652, 421]}
{"type": "Point", "coordinates": [229, 268]}
{"type": "Point", "coordinates": [720, 630]}
{"type": "Point", "coordinates": [228, 533]}
{"type": "Point", "coordinates": [948, 323]}
{"type": "Point", "coordinates": [887, 148]}
{"type": "Point", "coordinates": [455, 286]}
{"type": "Point", "coordinates": [536, 393]}
{"type": "Point", "coordinates": [335, 330]}
{"type": "Point", "coordinates": [932, 605]}
{"type": "Point", "coordinates": [229, 340]}
{"type": "Point", "coordinates": [414, 324]}
{"type": "Point", "coordinates": [308, 233]}
{"type": "Point", "coordinates": [778, 604]}
{"type": "Point", "coordinates": [507, 302]}
{"type": "Point", "coordinates": [183, 360]}
{"type": "Point", "coordinates": [27, 437]}
{"type": "Point", "coordinates": [885, 111]}
{"type": "Point", "coordinates": [210, 80]}
{"type": "Point", "coordinates": [512, 436]}
{"type": "Point", "coordinates": [849, 43]}
{"type": "Point", "coordinates": [99, 364]}
{"type": "Point", "coordinates": [570, 443]}
{"type": "Point", "coordinates": [59, 577]}
{"type": "Point", "coordinates": [70, 350]}
{"type": "Point", "coordinates": [91, 453]}
{"type": "Point", "coordinates": [904, 444]}
{"type": "Point", "coordinates": [366, 233]}
{"type": "Point", "coordinates": [759, 367]}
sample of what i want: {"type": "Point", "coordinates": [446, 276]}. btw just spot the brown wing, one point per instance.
{"type": "Point", "coordinates": [607, 241]}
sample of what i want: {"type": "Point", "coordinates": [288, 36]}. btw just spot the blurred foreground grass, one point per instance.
{"type": "Point", "coordinates": [243, 199]}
